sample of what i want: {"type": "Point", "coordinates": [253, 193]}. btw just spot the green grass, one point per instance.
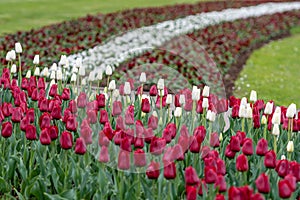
{"type": "Point", "coordinates": [26, 14]}
{"type": "Point", "coordinates": [274, 72]}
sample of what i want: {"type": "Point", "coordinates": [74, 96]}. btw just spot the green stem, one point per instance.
{"type": "Point", "coordinates": [275, 144]}
{"type": "Point", "coordinates": [193, 115]}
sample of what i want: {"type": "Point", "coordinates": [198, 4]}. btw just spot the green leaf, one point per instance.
{"type": "Point", "coordinates": [69, 194]}
{"type": "Point", "coordinates": [4, 186]}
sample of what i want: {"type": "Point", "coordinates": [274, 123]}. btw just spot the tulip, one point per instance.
{"type": "Point", "coordinates": [53, 132]}
{"type": "Point", "coordinates": [117, 108]}
{"type": "Point", "coordinates": [234, 193]}
{"type": "Point", "coordinates": [282, 168]}
{"type": "Point", "coordinates": [262, 147]}
{"type": "Point", "coordinates": [205, 91]}
{"type": "Point", "coordinates": [234, 144]}
{"type": "Point", "coordinates": [177, 153]}
{"type": "Point", "coordinates": [247, 148]}
{"type": "Point", "coordinates": [262, 183]}
{"type": "Point", "coordinates": [108, 131]}
{"type": "Point", "coordinates": [124, 160]}
{"type": "Point", "coordinates": [18, 47]}
{"type": "Point", "coordinates": [292, 181]}
{"type": "Point", "coordinates": [221, 167]}
{"type": "Point", "coordinates": [290, 147]}
{"type": "Point", "coordinates": [291, 111]}
{"type": "Point", "coordinates": [65, 94]}
{"type": "Point", "coordinates": [214, 140]}
{"type": "Point", "coordinates": [191, 177]}
{"type": "Point", "coordinates": [210, 175]}
{"type": "Point", "coordinates": [129, 115]}
{"type": "Point", "coordinates": [153, 171]}
{"type": "Point", "coordinates": [7, 128]}
{"type": "Point", "coordinates": [200, 133]}
{"type": "Point", "coordinates": [125, 144]}
{"type": "Point", "coordinates": [13, 69]}
{"type": "Point", "coordinates": [153, 90]}
{"type": "Point", "coordinates": [253, 96]}
{"type": "Point", "coordinates": [112, 85]}
{"type": "Point", "coordinates": [284, 189]}
{"type": "Point", "coordinates": [103, 139]}
{"type": "Point", "coordinates": [145, 107]}
{"type": "Point", "coordinates": [169, 170]}
{"type": "Point", "coordinates": [235, 111]}
{"type": "Point", "coordinates": [220, 197]}
{"type": "Point", "coordinates": [104, 155]}
{"type": "Point", "coordinates": [157, 145]}
{"type": "Point", "coordinates": [169, 132]}
{"type": "Point", "coordinates": [45, 138]}
{"type": "Point", "coordinates": [80, 147]}
{"type": "Point", "coordinates": [195, 93]}
{"type": "Point", "coordinates": [295, 170]}
{"type": "Point", "coordinates": [100, 100]}
{"type": "Point", "coordinates": [139, 158]}
{"type": "Point", "coordinates": [56, 112]}
{"type": "Point", "coordinates": [16, 114]}
{"type": "Point", "coordinates": [269, 108]}
{"type": "Point", "coordinates": [229, 153]}
{"type": "Point", "coordinates": [66, 140]}
{"type": "Point", "coordinates": [221, 183]}
{"type": "Point", "coordinates": [108, 70]}
{"type": "Point", "coordinates": [191, 193]}
{"type": "Point", "coordinates": [81, 100]}
{"type": "Point", "coordinates": [30, 132]}
{"type": "Point", "coordinates": [86, 134]}
{"type": "Point", "coordinates": [194, 145]}
{"type": "Point", "coordinates": [222, 106]}
{"type": "Point", "coordinates": [103, 116]}
{"type": "Point", "coordinates": [71, 124]}
{"type": "Point", "coordinates": [120, 124]}
{"type": "Point", "coordinates": [242, 163]}
{"type": "Point", "coordinates": [153, 122]}
{"type": "Point", "coordinates": [270, 159]}
{"type": "Point", "coordinates": [160, 84]}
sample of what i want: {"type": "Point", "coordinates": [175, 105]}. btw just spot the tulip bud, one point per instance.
{"type": "Point", "coordinates": [28, 74]}
{"type": "Point", "coordinates": [160, 84]}
{"type": "Point", "coordinates": [143, 77]}
{"type": "Point", "coordinates": [264, 120]}
{"type": "Point", "coordinates": [83, 81]}
{"type": "Point", "coordinates": [78, 62]}
{"type": "Point", "coordinates": [73, 78]}
{"type": "Point", "coordinates": [59, 75]}
{"type": "Point", "coordinates": [112, 85]}
{"type": "Point", "coordinates": [169, 99]}
{"type": "Point", "coordinates": [91, 77]}
{"type": "Point", "coordinates": [195, 93]}
{"type": "Point", "coordinates": [242, 163]}
{"type": "Point", "coordinates": [191, 177]}
{"type": "Point", "coordinates": [276, 130]}
{"type": "Point", "coordinates": [211, 116]}
{"type": "Point", "coordinates": [253, 96]}
{"type": "Point", "coordinates": [249, 113]}
{"type": "Point", "coordinates": [108, 70]}
{"type": "Point", "coordinates": [8, 56]}
{"type": "Point", "coordinates": [66, 140]}
{"type": "Point", "coordinates": [182, 99]}
{"type": "Point", "coordinates": [13, 69]}
{"type": "Point", "coordinates": [262, 183]}
{"type": "Point", "coordinates": [291, 111]}
{"type": "Point", "coordinates": [80, 146]}
{"type": "Point", "coordinates": [63, 60]}
{"type": "Point", "coordinates": [36, 59]}
{"type": "Point", "coordinates": [37, 71]}
{"type": "Point", "coordinates": [45, 72]}
{"type": "Point", "coordinates": [6, 129]}
{"type": "Point", "coordinates": [18, 47]}
{"type": "Point", "coordinates": [243, 111]}
{"type": "Point", "coordinates": [205, 103]}
{"type": "Point", "coordinates": [268, 109]}
{"type": "Point", "coordinates": [205, 91]}
{"type": "Point", "coordinates": [127, 88]}
{"type": "Point", "coordinates": [283, 157]}
{"type": "Point", "coordinates": [284, 189]}
{"type": "Point", "coordinates": [81, 71]}
{"type": "Point", "coordinates": [153, 170]}
{"type": "Point", "coordinates": [30, 132]}
{"type": "Point", "coordinates": [45, 138]}
{"type": "Point", "coordinates": [290, 147]}
{"type": "Point", "coordinates": [178, 112]}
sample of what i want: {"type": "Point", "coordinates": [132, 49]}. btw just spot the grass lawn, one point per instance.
{"type": "Point", "coordinates": [274, 72]}
{"type": "Point", "coordinates": [26, 14]}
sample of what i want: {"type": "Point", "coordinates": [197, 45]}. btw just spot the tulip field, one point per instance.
{"type": "Point", "coordinates": [138, 104]}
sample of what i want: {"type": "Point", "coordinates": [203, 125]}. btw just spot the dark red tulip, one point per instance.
{"type": "Point", "coordinates": [270, 159]}
{"type": "Point", "coordinates": [6, 129]}
{"type": "Point", "coordinates": [169, 170]}
{"type": "Point", "coordinates": [86, 134]}
{"type": "Point", "coordinates": [157, 145]}
{"type": "Point", "coordinates": [295, 170]}
{"type": "Point", "coordinates": [45, 138]}
{"type": "Point", "coordinates": [247, 148]}
{"type": "Point", "coordinates": [176, 100]}
{"type": "Point", "coordinates": [256, 121]}
{"type": "Point", "coordinates": [242, 163]}
{"type": "Point", "coordinates": [153, 122]}
{"type": "Point", "coordinates": [188, 105]}
{"type": "Point", "coordinates": [71, 124]}
{"type": "Point", "coordinates": [191, 193]}
{"type": "Point", "coordinates": [214, 140]}
{"type": "Point", "coordinates": [108, 131]}
{"type": "Point", "coordinates": [92, 116]}
{"type": "Point", "coordinates": [35, 94]}
{"type": "Point", "coordinates": [81, 100]}
{"type": "Point", "coordinates": [66, 140]}
{"type": "Point", "coordinates": [169, 132]}
{"type": "Point", "coordinates": [67, 114]}
{"type": "Point", "coordinates": [24, 84]}
{"type": "Point", "coordinates": [220, 197]}
{"type": "Point", "coordinates": [235, 111]}
{"type": "Point", "coordinates": [30, 132]}
{"type": "Point", "coordinates": [241, 135]}
{"type": "Point", "coordinates": [282, 168]}
{"type": "Point", "coordinates": [292, 181]}
{"type": "Point", "coordinates": [43, 104]}
{"type": "Point", "coordinates": [153, 171]}
{"type": "Point", "coordinates": [65, 94]}
{"type": "Point", "coordinates": [235, 144]}
{"type": "Point", "coordinates": [210, 174]}
{"type": "Point", "coordinates": [56, 112]}
{"type": "Point", "coordinates": [262, 183]}
{"type": "Point", "coordinates": [221, 183]}
{"type": "Point", "coordinates": [53, 90]}
{"type": "Point", "coordinates": [262, 147]}
{"type": "Point", "coordinates": [32, 81]}
{"type": "Point", "coordinates": [228, 153]}
{"type": "Point", "coordinates": [80, 147]}
{"type": "Point", "coordinates": [221, 167]}
{"type": "Point", "coordinates": [148, 134]}
{"type": "Point", "coordinates": [191, 177]}
{"type": "Point", "coordinates": [104, 155]}
{"type": "Point", "coordinates": [257, 196]}
{"type": "Point", "coordinates": [139, 142]}
{"type": "Point", "coordinates": [235, 194]}
{"type": "Point", "coordinates": [117, 108]}
{"type": "Point", "coordinates": [73, 106]}
{"type": "Point", "coordinates": [102, 139]}
{"type": "Point", "coordinates": [284, 189]}
{"type": "Point", "coordinates": [124, 160]}
{"type": "Point", "coordinates": [129, 115]}
{"type": "Point", "coordinates": [153, 90]}
{"type": "Point", "coordinates": [7, 109]}
{"type": "Point", "coordinates": [41, 83]}
{"type": "Point", "coordinates": [177, 153]}
{"type": "Point", "coordinates": [139, 158]}
{"type": "Point", "coordinates": [145, 107]}
{"type": "Point", "coordinates": [16, 115]}
{"type": "Point", "coordinates": [24, 122]}
{"type": "Point", "coordinates": [119, 135]}
{"type": "Point", "coordinates": [103, 116]}
{"type": "Point", "coordinates": [100, 100]}
{"type": "Point", "coordinates": [194, 144]}
{"type": "Point", "coordinates": [53, 132]}
{"type": "Point", "coordinates": [222, 106]}
{"type": "Point", "coordinates": [200, 133]}
{"type": "Point", "coordinates": [199, 108]}
{"type": "Point", "coordinates": [125, 144]}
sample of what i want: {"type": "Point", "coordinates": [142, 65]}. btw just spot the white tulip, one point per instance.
{"type": "Point", "coordinates": [169, 99]}
{"type": "Point", "coordinates": [182, 99]}
{"type": "Point", "coordinates": [243, 111]}
{"type": "Point", "coordinates": [178, 112]}
{"type": "Point", "coordinates": [13, 69]}
{"type": "Point", "coordinates": [37, 71]}
{"type": "Point", "coordinates": [18, 47]}
{"type": "Point", "coordinates": [59, 75]}
{"type": "Point", "coordinates": [52, 75]}
{"type": "Point", "coordinates": [36, 60]}
{"type": "Point", "coordinates": [63, 60]}
{"type": "Point", "coordinates": [283, 157]}
{"type": "Point", "coordinates": [82, 71]}
{"type": "Point", "coordinates": [112, 85]}
{"type": "Point", "coordinates": [205, 91]}
{"type": "Point", "coordinates": [91, 76]}
{"type": "Point", "coordinates": [73, 78]}
{"type": "Point", "coordinates": [108, 70]}
{"type": "Point", "coordinates": [276, 130]}
{"type": "Point", "coordinates": [8, 56]}
{"type": "Point", "coordinates": [211, 116]}
{"type": "Point", "coordinates": [143, 77]}
{"type": "Point", "coordinates": [291, 111]}
{"type": "Point", "coordinates": [161, 93]}
{"type": "Point", "coordinates": [78, 63]}
{"type": "Point", "coordinates": [268, 109]}
{"type": "Point", "coordinates": [264, 120]}
{"type": "Point", "coordinates": [253, 96]}
{"type": "Point", "coordinates": [13, 54]}
{"type": "Point", "coordinates": [83, 81]}
{"type": "Point", "coordinates": [276, 118]}
{"type": "Point", "coordinates": [53, 67]}
{"type": "Point", "coordinates": [45, 72]}
{"type": "Point", "coordinates": [195, 93]}
{"type": "Point", "coordinates": [116, 93]}
{"type": "Point", "coordinates": [244, 101]}
{"type": "Point", "coordinates": [99, 76]}
{"type": "Point", "coordinates": [249, 112]}
{"type": "Point", "coordinates": [205, 103]}
{"type": "Point", "coordinates": [28, 74]}
{"type": "Point", "coordinates": [127, 88]}
{"type": "Point", "coordinates": [161, 84]}
{"type": "Point", "coordinates": [75, 70]}
{"type": "Point", "coordinates": [290, 146]}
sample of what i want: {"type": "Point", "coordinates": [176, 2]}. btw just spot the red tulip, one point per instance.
{"type": "Point", "coordinates": [262, 147]}
{"type": "Point", "coordinates": [6, 129]}
{"type": "Point", "coordinates": [169, 170]}
{"type": "Point", "coordinates": [256, 121]}
{"type": "Point", "coordinates": [145, 107]}
{"type": "Point", "coordinates": [103, 116]}
{"type": "Point", "coordinates": [241, 135]}
{"type": "Point", "coordinates": [124, 160]}
{"type": "Point", "coordinates": [191, 193]}
{"type": "Point", "coordinates": [108, 131]}
{"type": "Point", "coordinates": [191, 177]}
{"type": "Point", "coordinates": [80, 147]}
{"type": "Point", "coordinates": [222, 106]}
{"type": "Point", "coordinates": [214, 140]}
{"type": "Point", "coordinates": [53, 132]}
{"type": "Point", "coordinates": [235, 111]}
{"type": "Point", "coordinates": [16, 114]}
{"type": "Point", "coordinates": [139, 142]}
{"type": "Point", "coordinates": [66, 140]}
{"type": "Point", "coordinates": [32, 81]}
{"type": "Point", "coordinates": [292, 181]}
{"type": "Point", "coordinates": [210, 174]}
{"type": "Point", "coordinates": [100, 100]}
{"type": "Point", "coordinates": [86, 134]}
{"type": "Point", "coordinates": [229, 153]}
{"type": "Point", "coordinates": [221, 167]}
{"type": "Point", "coordinates": [188, 105]}
{"type": "Point", "coordinates": [153, 170]}
{"type": "Point", "coordinates": [169, 132]}
{"type": "Point", "coordinates": [65, 94]}
{"type": "Point", "coordinates": [257, 196]}
{"type": "Point", "coordinates": [71, 124]}
{"type": "Point", "coordinates": [56, 112]}
{"type": "Point", "coordinates": [194, 144]}
{"type": "Point", "coordinates": [199, 108]}
{"type": "Point", "coordinates": [159, 101]}
{"type": "Point", "coordinates": [81, 100]}
{"type": "Point", "coordinates": [177, 153]}
{"type": "Point", "coordinates": [104, 155]}
{"type": "Point", "coordinates": [242, 163]}
{"type": "Point", "coordinates": [72, 106]}
{"type": "Point", "coordinates": [45, 138]}
{"type": "Point", "coordinates": [235, 194]}
{"type": "Point", "coordinates": [284, 189]}
{"type": "Point", "coordinates": [282, 168]}
{"type": "Point", "coordinates": [53, 90]}
{"type": "Point", "coordinates": [221, 183]}
{"type": "Point", "coordinates": [102, 139]}
{"type": "Point", "coordinates": [270, 159]}
{"type": "Point", "coordinates": [7, 109]}
{"type": "Point", "coordinates": [24, 84]}
{"type": "Point", "coordinates": [24, 122]}
{"type": "Point", "coordinates": [153, 122]}
{"type": "Point", "coordinates": [148, 134]}
{"type": "Point", "coordinates": [92, 116]}
{"type": "Point", "coordinates": [153, 90]}
{"type": "Point", "coordinates": [120, 124]}
{"type": "Point", "coordinates": [262, 183]}
{"type": "Point", "coordinates": [157, 145]}
{"type": "Point", "coordinates": [139, 158]}
{"type": "Point", "coordinates": [67, 114]}
{"type": "Point", "coordinates": [235, 144]}
{"type": "Point", "coordinates": [295, 170]}
{"type": "Point", "coordinates": [220, 197]}
{"type": "Point", "coordinates": [41, 83]}
{"type": "Point", "coordinates": [45, 120]}
{"type": "Point", "coordinates": [247, 148]}
{"type": "Point", "coordinates": [129, 115]}
{"type": "Point", "coordinates": [117, 108]}
{"type": "Point", "coordinates": [200, 133]}
{"type": "Point", "coordinates": [30, 132]}
{"type": "Point", "coordinates": [125, 144]}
